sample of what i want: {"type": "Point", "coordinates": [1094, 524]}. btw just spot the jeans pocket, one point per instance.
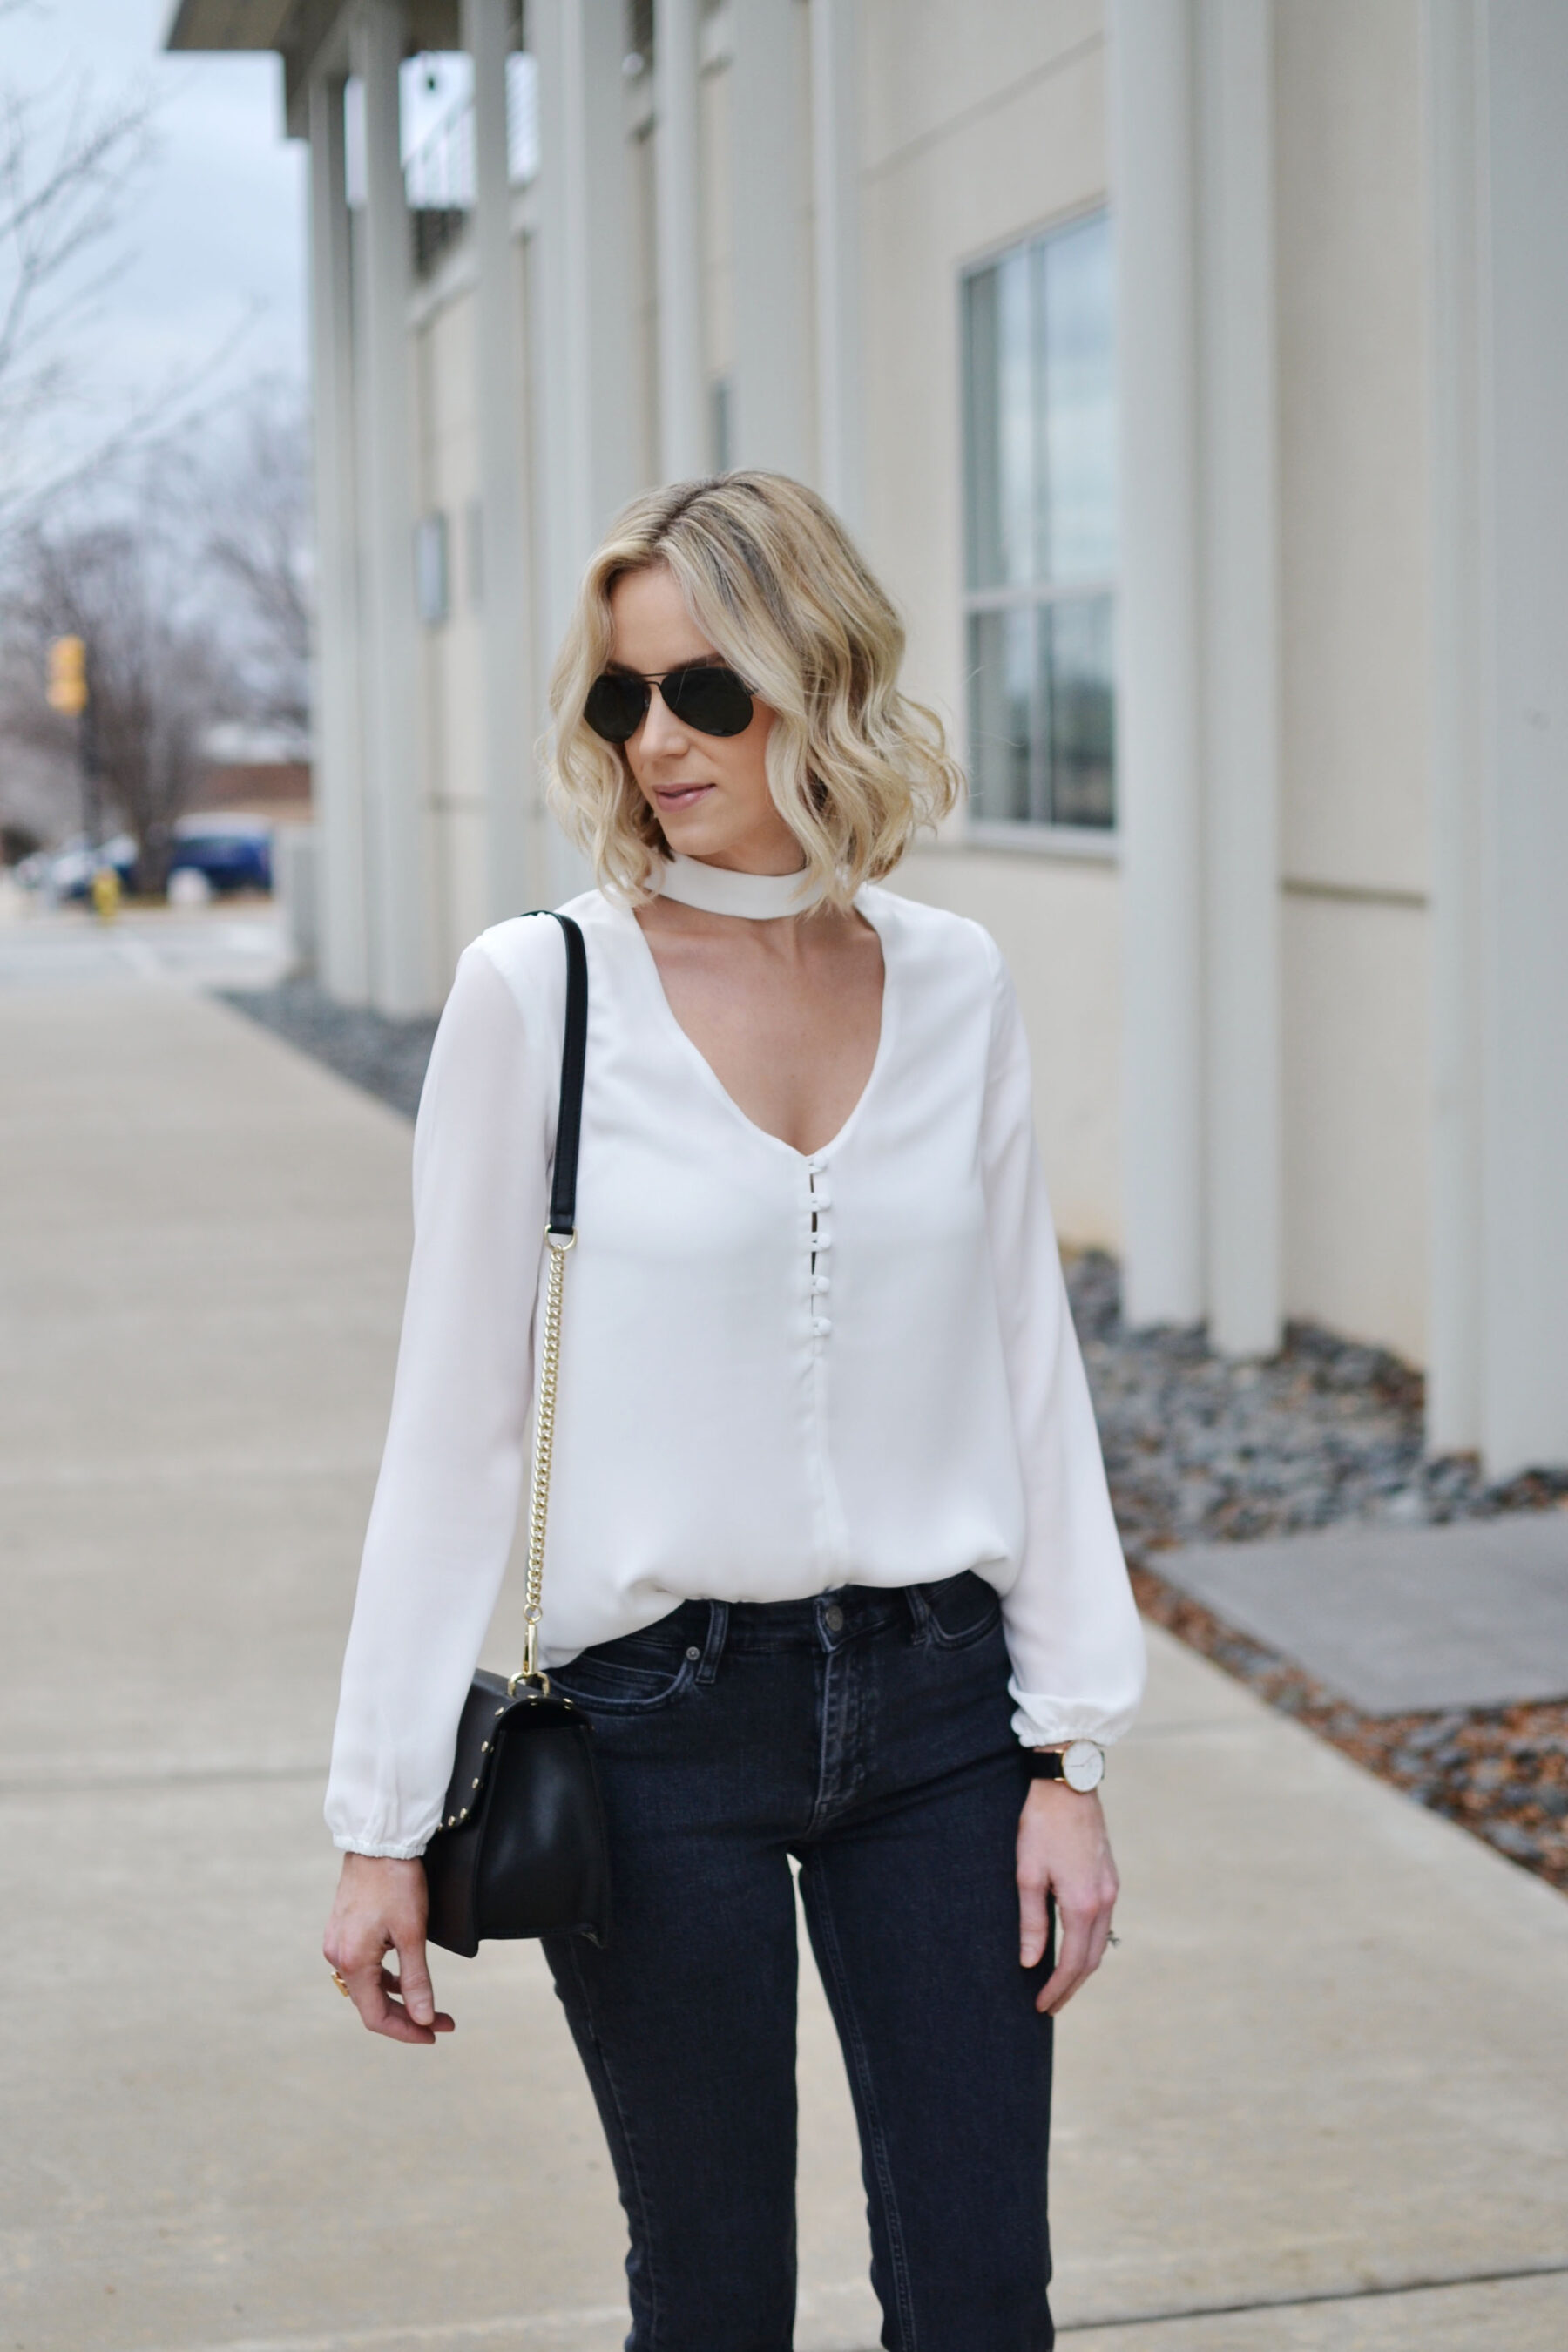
{"type": "Point", "coordinates": [631, 1676]}
{"type": "Point", "coordinates": [961, 1610]}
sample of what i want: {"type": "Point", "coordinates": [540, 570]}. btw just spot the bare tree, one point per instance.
{"type": "Point", "coordinates": [186, 573]}
{"type": "Point", "coordinates": [68, 165]}
{"type": "Point", "coordinates": [169, 536]}
{"type": "Point", "coordinates": [156, 676]}
{"type": "Point", "coordinates": [257, 534]}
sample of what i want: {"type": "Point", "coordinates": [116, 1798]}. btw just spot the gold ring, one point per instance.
{"type": "Point", "coordinates": [342, 1987]}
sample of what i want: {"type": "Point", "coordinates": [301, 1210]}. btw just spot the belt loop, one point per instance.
{"type": "Point", "coordinates": [920, 1612]}
{"type": "Point", "coordinates": [713, 1648]}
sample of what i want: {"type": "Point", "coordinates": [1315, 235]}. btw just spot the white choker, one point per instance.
{"type": "Point", "coordinates": [721, 890]}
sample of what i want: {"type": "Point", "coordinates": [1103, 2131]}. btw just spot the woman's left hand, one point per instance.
{"type": "Point", "coordinates": [1064, 1850]}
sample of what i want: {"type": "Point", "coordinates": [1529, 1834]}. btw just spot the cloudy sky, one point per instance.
{"type": "Point", "coordinates": [213, 237]}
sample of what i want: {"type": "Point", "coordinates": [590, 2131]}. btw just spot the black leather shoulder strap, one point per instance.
{"type": "Point", "coordinates": [574, 1057]}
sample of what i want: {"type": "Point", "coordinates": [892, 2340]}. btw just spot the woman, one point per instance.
{"type": "Point", "coordinates": [825, 1467]}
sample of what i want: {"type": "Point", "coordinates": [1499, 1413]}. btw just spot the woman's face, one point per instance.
{"type": "Point", "coordinates": [710, 793]}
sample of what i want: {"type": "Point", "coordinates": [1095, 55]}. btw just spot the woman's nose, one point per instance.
{"type": "Point", "coordinates": [661, 731]}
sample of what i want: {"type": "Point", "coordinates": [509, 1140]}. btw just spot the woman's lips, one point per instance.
{"type": "Point", "coordinates": [680, 796]}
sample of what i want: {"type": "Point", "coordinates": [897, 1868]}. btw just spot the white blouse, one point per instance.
{"type": "Point", "coordinates": [779, 1372]}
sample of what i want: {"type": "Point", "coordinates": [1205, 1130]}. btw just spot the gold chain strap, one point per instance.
{"type": "Point", "coordinates": [544, 1443]}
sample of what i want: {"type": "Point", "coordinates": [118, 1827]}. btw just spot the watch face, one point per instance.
{"type": "Point", "coordinates": [1083, 1766]}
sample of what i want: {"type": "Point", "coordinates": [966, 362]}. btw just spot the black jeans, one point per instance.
{"type": "Point", "coordinates": [866, 1733]}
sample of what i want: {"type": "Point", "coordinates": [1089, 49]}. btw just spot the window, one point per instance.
{"type": "Point", "coordinates": [432, 571]}
{"type": "Point", "coordinates": [1040, 554]}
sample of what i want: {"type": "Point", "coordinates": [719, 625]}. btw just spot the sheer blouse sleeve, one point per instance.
{"type": "Point", "coordinates": [446, 1501]}
{"type": "Point", "coordinates": [1073, 1632]}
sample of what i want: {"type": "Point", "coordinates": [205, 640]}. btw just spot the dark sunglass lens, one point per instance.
{"type": "Point", "coordinates": [714, 701]}
{"type": "Point", "coordinates": [615, 706]}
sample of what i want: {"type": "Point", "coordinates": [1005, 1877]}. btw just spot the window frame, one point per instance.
{"type": "Point", "coordinates": [1095, 843]}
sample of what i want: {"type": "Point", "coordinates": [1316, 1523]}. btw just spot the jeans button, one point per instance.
{"type": "Point", "coordinates": [833, 1618]}
{"type": "Point", "coordinates": [694, 1653]}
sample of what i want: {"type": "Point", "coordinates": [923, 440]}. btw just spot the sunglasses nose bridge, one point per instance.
{"type": "Point", "coordinates": [658, 713]}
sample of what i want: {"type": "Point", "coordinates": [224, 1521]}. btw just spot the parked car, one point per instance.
{"type": "Point", "coordinates": [67, 873]}
{"type": "Point", "coordinates": [230, 853]}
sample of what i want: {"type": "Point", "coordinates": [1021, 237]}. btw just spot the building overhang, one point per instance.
{"type": "Point", "coordinates": [309, 35]}
{"type": "Point", "coordinates": [227, 23]}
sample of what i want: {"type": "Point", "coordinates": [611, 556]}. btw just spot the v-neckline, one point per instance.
{"type": "Point", "coordinates": [715, 1084]}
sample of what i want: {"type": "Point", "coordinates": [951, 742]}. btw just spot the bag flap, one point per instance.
{"type": "Point", "coordinates": [489, 1716]}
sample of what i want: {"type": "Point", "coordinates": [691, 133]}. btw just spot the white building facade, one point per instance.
{"type": "Point", "coordinates": [1194, 373]}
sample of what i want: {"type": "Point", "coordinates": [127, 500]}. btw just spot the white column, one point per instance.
{"type": "Point", "coordinates": [768, 177]}
{"type": "Point", "coordinates": [401, 981]}
{"type": "Point", "coordinates": [1451, 39]}
{"type": "Point", "coordinates": [549, 340]}
{"type": "Point", "coordinates": [506, 627]}
{"type": "Point", "coordinates": [1160, 817]}
{"type": "Point", "coordinates": [682, 403]}
{"type": "Point", "coordinates": [585, 328]}
{"type": "Point", "coordinates": [338, 782]}
{"type": "Point", "coordinates": [1524, 774]}
{"type": "Point", "coordinates": [1238, 471]}
{"type": "Point", "coordinates": [583, 335]}
{"type": "Point", "coordinates": [836, 170]}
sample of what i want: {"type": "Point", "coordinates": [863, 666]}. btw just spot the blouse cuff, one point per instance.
{"type": "Point", "coordinates": [407, 1853]}
{"type": "Point", "coordinates": [1041, 1722]}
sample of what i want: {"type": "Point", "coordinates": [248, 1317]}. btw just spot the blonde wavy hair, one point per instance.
{"type": "Point", "coordinates": [772, 579]}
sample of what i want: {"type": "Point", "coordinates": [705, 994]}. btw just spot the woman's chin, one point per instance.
{"type": "Point", "coordinates": [694, 834]}
{"type": "Point", "coordinates": [708, 830]}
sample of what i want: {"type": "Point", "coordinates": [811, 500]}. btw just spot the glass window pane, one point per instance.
{"type": "Point", "coordinates": [982, 414]}
{"type": "Point", "coordinates": [1001, 690]}
{"type": "Point", "coordinates": [1079, 508]}
{"type": "Point", "coordinates": [1040, 505]}
{"type": "Point", "coordinates": [1041, 483]}
{"type": "Point", "coordinates": [1016, 439]}
{"type": "Point", "coordinates": [1076, 641]}
{"type": "Point", "coordinates": [999, 399]}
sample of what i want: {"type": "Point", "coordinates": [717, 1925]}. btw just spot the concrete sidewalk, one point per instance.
{"type": "Point", "coordinates": [1402, 1619]}
{"type": "Point", "coordinates": [1318, 2099]}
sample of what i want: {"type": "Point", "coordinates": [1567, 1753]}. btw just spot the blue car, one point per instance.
{"type": "Point", "coordinates": [231, 853]}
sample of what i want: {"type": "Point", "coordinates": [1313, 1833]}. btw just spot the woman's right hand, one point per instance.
{"type": "Point", "coordinates": [380, 1907]}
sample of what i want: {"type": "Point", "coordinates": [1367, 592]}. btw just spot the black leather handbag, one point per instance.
{"type": "Point", "coordinates": [521, 1847]}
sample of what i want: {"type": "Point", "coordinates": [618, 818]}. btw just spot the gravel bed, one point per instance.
{"type": "Point", "coordinates": [386, 1057]}
{"type": "Point", "coordinates": [1201, 1449]}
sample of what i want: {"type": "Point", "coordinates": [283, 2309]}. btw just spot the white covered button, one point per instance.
{"type": "Point", "coordinates": [821, 1326]}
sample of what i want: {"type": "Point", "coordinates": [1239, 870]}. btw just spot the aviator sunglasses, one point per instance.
{"type": "Point", "coordinates": [704, 695]}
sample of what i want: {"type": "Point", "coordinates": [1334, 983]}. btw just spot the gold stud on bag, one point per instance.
{"type": "Point", "coordinates": [520, 1848]}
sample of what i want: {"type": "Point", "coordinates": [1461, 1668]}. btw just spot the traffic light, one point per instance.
{"type": "Point", "coordinates": [67, 676]}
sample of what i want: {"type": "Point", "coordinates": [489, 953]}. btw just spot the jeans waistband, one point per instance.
{"type": "Point", "coordinates": [825, 1622]}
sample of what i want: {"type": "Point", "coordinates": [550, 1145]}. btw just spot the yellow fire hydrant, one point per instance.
{"type": "Point", "coordinates": [106, 894]}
